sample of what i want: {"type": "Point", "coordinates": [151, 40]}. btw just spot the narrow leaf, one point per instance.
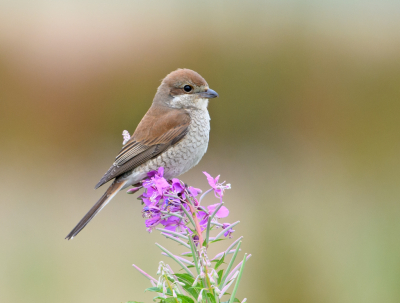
{"type": "Point", "coordinates": [230, 265]}
{"type": "Point", "coordinates": [185, 299]}
{"type": "Point", "coordinates": [180, 258]}
{"type": "Point", "coordinates": [193, 292]}
{"type": "Point", "coordinates": [172, 214]}
{"type": "Point", "coordinates": [153, 289]}
{"type": "Point", "coordinates": [218, 256]}
{"type": "Point", "coordinates": [194, 254]}
{"type": "Point", "coordinates": [176, 260]}
{"type": "Point", "coordinates": [203, 195]}
{"type": "Point", "coordinates": [238, 280]}
{"type": "Point", "coordinates": [175, 239]}
{"type": "Point", "coordinates": [188, 215]}
{"type": "Point", "coordinates": [220, 273]}
{"type": "Point", "coordinates": [173, 233]}
{"type": "Point", "coordinates": [233, 244]}
{"type": "Point", "coordinates": [209, 222]}
{"type": "Point", "coordinates": [233, 272]}
{"type": "Point", "coordinates": [144, 273]}
{"type": "Point", "coordinates": [211, 298]}
{"type": "Point", "coordinates": [220, 262]}
{"type": "Point", "coordinates": [185, 278]}
{"type": "Point", "coordinates": [213, 241]}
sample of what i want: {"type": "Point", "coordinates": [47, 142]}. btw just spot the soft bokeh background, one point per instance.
{"type": "Point", "coordinates": [306, 129]}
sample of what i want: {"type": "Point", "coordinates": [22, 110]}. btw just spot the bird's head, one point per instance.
{"type": "Point", "coordinates": [184, 88]}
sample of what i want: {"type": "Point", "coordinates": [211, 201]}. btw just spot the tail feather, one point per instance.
{"type": "Point", "coordinates": [114, 188]}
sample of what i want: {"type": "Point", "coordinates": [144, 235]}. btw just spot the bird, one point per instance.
{"type": "Point", "coordinates": [173, 134]}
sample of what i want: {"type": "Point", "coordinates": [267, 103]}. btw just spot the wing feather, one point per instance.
{"type": "Point", "coordinates": [126, 155]}
{"type": "Point", "coordinates": [159, 129]}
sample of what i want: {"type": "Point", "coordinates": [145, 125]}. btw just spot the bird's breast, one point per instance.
{"type": "Point", "coordinates": [188, 152]}
{"type": "Point", "coordinates": [185, 154]}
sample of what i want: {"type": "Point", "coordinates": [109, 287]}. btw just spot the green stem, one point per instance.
{"type": "Point", "coordinates": [170, 287]}
{"type": "Point", "coordinates": [199, 233]}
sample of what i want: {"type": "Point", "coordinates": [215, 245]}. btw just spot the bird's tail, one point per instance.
{"type": "Point", "coordinates": [114, 188]}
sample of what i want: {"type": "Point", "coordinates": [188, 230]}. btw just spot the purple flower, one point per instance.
{"type": "Point", "coordinates": [159, 172]}
{"type": "Point", "coordinates": [203, 216]}
{"type": "Point", "coordinates": [161, 184]}
{"type": "Point", "coordinates": [229, 231]}
{"type": "Point", "coordinates": [177, 186]}
{"type": "Point", "coordinates": [221, 213]}
{"type": "Point", "coordinates": [194, 191]}
{"type": "Point", "coordinates": [151, 195]}
{"type": "Point", "coordinates": [218, 187]}
{"type": "Point", "coordinates": [196, 239]}
{"type": "Point", "coordinates": [161, 197]}
{"type": "Point", "coordinates": [174, 223]}
{"type": "Point", "coordinates": [156, 181]}
{"type": "Point", "coordinates": [152, 222]}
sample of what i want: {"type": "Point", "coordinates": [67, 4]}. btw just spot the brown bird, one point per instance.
{"type": "Point", "coordinates": [173, 133]}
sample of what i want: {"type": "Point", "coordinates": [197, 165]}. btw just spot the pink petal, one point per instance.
{"type": "Point", "coordinates": [194, 191]}
{"type": "Point", "coordinates": [171, 227]}
{"type": "Point", "coordinates": [201, 215]}
{"type": "Point", "coordinates": [221, 213]}
{"type": "Point", "coordinates": [175, 180]}
{"type": "Point", "coordinates": [161, 184]}
{"type": "Point", "coordinates": [211, 208]}
{"type": "Point", "coordinates": [146, 201]}
{"type": "Point", "coordinates": [210, 179]}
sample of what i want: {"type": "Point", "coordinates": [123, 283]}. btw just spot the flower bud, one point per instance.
{"type": "Point", "coordinates": [133, 190]}
{"type": "Point", "coordinates": [200, 295]}
{"type": "Point", "coordinates": [196, 281]}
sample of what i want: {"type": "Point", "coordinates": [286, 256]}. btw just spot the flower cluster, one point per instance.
{"type": "Point", "coordinates": [164, 282]}
{"type": "Point", "coordinates": [175, 209]}
{"type": "Point", "coordinates": [168, 203]}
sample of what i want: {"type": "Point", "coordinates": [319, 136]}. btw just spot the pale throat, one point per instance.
{"type": "Point", "coordinates": [183, 101]}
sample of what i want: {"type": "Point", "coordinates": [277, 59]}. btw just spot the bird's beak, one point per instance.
{"type": "Point", "coordinates": [209, 94]}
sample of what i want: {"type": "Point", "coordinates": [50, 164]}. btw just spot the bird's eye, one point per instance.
{"type": "Point", "coordinates": [187, 88]}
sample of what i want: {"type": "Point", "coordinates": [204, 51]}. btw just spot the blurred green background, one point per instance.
{"type": "Point", "coordinates": [306, 129]}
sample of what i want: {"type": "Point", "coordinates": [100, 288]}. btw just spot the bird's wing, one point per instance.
{"type": "Point", "coordinates": [159, 129]}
